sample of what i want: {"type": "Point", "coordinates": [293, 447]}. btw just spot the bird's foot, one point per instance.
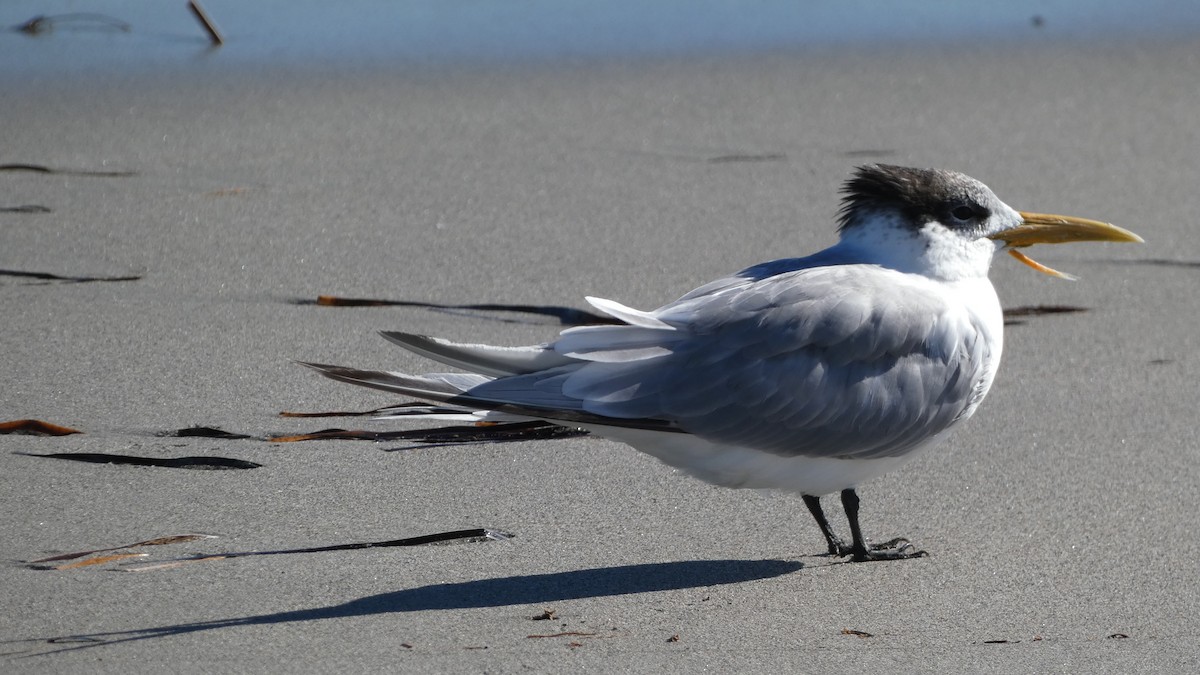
{"type": "Point", "coordinates": [896, 549]}
{"type": "Point", "coordinates": [839, 548]}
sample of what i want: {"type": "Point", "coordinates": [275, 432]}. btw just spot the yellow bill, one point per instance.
{"type": "Point", "coordinates": [1046, 228]}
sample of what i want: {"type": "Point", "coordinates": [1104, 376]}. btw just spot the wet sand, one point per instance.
{"type": "Point", "coordinates": [1060, 521]}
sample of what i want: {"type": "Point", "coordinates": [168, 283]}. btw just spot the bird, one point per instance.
{"type": "Point", "coordinates": [810, 375]}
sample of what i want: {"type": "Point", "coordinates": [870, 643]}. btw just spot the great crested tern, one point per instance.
{"type": "Point", "coordinates": [810, 374]}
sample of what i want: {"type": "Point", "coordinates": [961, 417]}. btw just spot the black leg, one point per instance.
{"type": "Point", "coordinates": [836, 545]}
{"type": "Point", "coordinates": [895, 549]}
{"type": "Point", "coordinates": [858, 544]}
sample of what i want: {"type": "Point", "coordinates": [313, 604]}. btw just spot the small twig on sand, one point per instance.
{"type": "Point", "coordinates": [202, 17]}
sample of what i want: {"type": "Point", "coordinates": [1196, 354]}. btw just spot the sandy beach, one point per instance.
{"type": "Point", "coordinates": [1060, 521]}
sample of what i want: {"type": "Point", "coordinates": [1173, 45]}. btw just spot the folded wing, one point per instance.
{"type": "Point", "coordinates": [848, 361]}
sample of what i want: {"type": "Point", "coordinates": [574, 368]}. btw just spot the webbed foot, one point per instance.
{"type": "Point", "coordinates": [896, 549]}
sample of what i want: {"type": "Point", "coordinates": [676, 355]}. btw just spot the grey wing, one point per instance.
{"type": "Point", "coordinates": [846, 361]}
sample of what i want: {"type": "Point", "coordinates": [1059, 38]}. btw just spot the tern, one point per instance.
{"type": "Point", "coordinates": [810, 375]}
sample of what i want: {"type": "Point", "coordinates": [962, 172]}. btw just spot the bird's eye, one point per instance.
{"type": "Point", "coordinates": [962, 213]}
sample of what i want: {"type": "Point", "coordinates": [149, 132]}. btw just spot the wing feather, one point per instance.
{"type": "Point", "coordinates": [483, 359]}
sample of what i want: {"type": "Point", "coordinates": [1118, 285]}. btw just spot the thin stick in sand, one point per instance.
{"type": "Point", "coordinates": [209, 26]}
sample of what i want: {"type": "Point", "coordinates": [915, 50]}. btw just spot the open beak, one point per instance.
{"type": "Point", "coordinates": [1045, 228]}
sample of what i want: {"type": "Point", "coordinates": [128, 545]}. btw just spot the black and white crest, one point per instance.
{"type": "Point", "coordinates": [918, 195]}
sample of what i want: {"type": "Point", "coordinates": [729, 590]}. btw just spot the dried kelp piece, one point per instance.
{"type": "Point", "coordinates": [473, 535]}
{"type": "Point", "coordinates": [490, 433]}
{"type": "Point", "coordinates": [566, 633]}
{"type": "Point", "coordinates": [25, 208]}
{"type": "Point", "coordinates": [748, 157]}
{"type": "Point", "coordinates": [1040, 310]}
{"type": "Point", "coordinates": [1011, 314]}
{"type": "Point", "coordinates": [73, 640]}
{"type": "Point", "coordinates": [211, 463]}
{"type": "Point", "coordinates": [38, 168]}
{"type": "Point", "coordinates": [205, 432]}
{"type": "Point", "coordinates": [173, 564]}
{"type": "Point", "coordinates": [567, 316]}
{"type": "Point", "coordinates": [869, 152]}
{"type": "Point", "coordinates": [1156, 262]}
{"type": "Point", "coordinates": [99, 560]}
{"type": "Point", "coordinates": [333, 434]}
{"type": "Point", "coordinates": [335, 301]}
{"type": "Point", "coordinates": [35, 428]}
{"type": "Point", "coordinates": [48, 276]}
{"type": "Point", "coordinates": [227, 192]}
{"type": "Point", "coordinates": [157, 541]}
{"type": "Point", "coordinates": [857, 633]}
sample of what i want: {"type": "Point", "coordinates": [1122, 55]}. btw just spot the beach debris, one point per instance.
{"type": "Point", "coordinates": [210, 463]}
{"type": "Point", "coordinates": [25, 208]}
{"type": "Point", "coordinates": [503, 432]}
{"type": "Point", "coordinates": [172, 564]}
{"type": "Point", "coordinates": [856, 633]}
{"type": "Point", "coordinates": [157, 541]}
{"type": "Point", "coordinates": [872, 153]}
{"type": "Point", "coordinates": [204, 432]}
{"type": "Point", "coordinates": [748, 157]}
{"type": "Point", "coordinates": [673, 638]}
{"type": "Point", "coordinates": [1040, 310]}
{"type": "Point", "coordinates": [336, 434]}
{"type": "Point", "coordinates": [1117, 636]}
{"type": "Point", "coordinates": [227, 192]}
{"type": "Point", "coordinates": [78, 21]}
{"type": "Point", "coordinates": [1001, 642]}
{"type": "Point", "coordinates": [473, 535]}
{"type": "Point", "coordinates": [202, 16]}
{"type": "Point", "coordinates": [39, 168]}
{"type": "Point", "coordinates": [546, 615]}
{"type": "Point", "coordinates": [566, 633]}
{"type": "Point", "coordinates": [73, 640]}
{"type": "Point", "coordinates": [1158, 262]}
{"type": "Point", "coordinates": [51, 277]}
{"type": "Point", "coordinates": [1011, 314]}
{"type": "Point", "coordinates": [567, 316]}
{"type": "Point", "coordinates": [30, 427]}
{"type": "Point", "coordinates": [100, 560]}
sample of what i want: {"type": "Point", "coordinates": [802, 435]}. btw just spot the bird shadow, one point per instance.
{"type": "Point", "coordinates": [529, 589]}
